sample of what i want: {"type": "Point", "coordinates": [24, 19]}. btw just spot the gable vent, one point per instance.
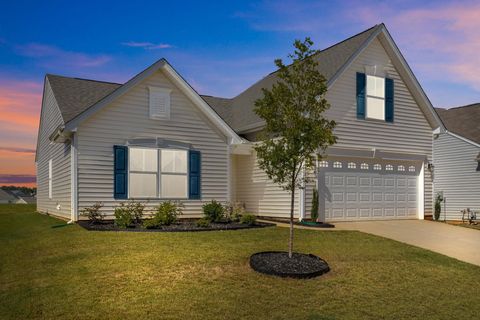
{"type": "Point", "coordinates": [159, 103]}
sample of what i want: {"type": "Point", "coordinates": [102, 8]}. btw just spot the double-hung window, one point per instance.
{"type": "Point", "coordinates": [375, 98]}
{"type": "Point", "coordinates": [158, 173]}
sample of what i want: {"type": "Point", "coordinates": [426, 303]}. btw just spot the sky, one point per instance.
{"type": "Point", "coordinates": [219, 47]}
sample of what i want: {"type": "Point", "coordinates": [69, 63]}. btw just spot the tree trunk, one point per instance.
{"type": "Point", "coordinates": [292, 204]}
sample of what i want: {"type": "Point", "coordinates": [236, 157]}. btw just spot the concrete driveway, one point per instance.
{"type": "Point", "coordinates": [453, 241]}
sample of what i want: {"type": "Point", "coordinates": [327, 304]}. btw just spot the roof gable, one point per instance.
{"type": "Point", "coordinates": [463, 121]}
{"type": "Point", "coordinates": [75, 95]}
{"type": "Point", "coordinates": [238, 111]}
{"type": "Point", "coordinates": [78, 99]}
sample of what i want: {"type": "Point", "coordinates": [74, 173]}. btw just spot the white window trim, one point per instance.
{"type": "Point", "coordinates": [50, 179]}
{"type": "Point", "coordinates": [162, 91]}
{"type": "Point", "coordinates": [158, 174]}
{"type": "Point", "coordinates": [379, 72]}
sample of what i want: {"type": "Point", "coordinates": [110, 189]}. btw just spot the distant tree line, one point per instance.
{"type": "Point", "coordinates": [25, 190]}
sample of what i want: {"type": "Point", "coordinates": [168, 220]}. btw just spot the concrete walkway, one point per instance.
{"type": "Point", "coordinates": [453, 241]}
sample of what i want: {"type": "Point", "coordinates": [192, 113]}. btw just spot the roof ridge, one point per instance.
{"type": "Point", "coordinates": [477, 104]}
{"type": "Point", "coordinates": [316, 53]}
{"type": "Point", "coordinates": [83, 79]}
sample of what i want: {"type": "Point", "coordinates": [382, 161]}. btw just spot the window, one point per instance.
{"type": "Point", "coordinates": [411, 169]}
{"type": "Point", "coordinates": [389, 167]}
{"type": "Point", "coordinates": [401, 168]}
{"type": "Point", "coordinates": [143, 166]}
{"type": "Point", "coordinates": [375, 98]}
{"type": "Point", "coordinates": [157, 173]}
{"type": "Point", "coordinates": [159, 103]}
{"type": "Point", "coordinates": [377, 166]}
{"type": "Point", "coordinates": [173, 173]}
{"type": "Point", "coordinates": [50, 178]}
{"type": "Point", "coordinates": [364, 166]}
{"type": "Point", "coordinates": [337, 164]}
{"type": "Point", "coordinates": [352, 165]}
{"type": "Point", "coordinates": [323, 164]}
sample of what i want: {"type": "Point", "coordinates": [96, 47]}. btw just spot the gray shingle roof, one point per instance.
{"type": "Point", "coordinates": [76, 95]}
{"type": "Point", "coordinates": [330, 61]}
{"type": "Point", "coordinates": [464, 121]}
{"type": "Point", "coordinates": [6, 196]}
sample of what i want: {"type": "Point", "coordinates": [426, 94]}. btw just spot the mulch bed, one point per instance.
{"type": "Point", "coordinates": [180, 226]}
{"type": "Point", "coordinates": [315, 224]}
{"type": "Point", "coordinates": [277, 263]}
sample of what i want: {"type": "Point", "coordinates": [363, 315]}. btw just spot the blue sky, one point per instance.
{"type": "Point", "coordinates": [220, 47]}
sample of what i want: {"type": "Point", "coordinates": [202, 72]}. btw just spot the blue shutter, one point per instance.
{"type": "Point", "coordinates": [194, 165]}
{"type": "Point", "coordinates": [361, 79]}
{"type": "Point", "coordinates": [120, 172]}
{"type": "Point", "coordinates": [388, 100]}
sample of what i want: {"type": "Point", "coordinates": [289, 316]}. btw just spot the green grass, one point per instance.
{"type": "Point", "coordinates": [50, 270]}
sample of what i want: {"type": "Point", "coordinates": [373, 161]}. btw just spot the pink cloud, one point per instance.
{"type": "Point", "coordinates": [52, 55]}
{"type": "Point", "coordinates": [443, 40]}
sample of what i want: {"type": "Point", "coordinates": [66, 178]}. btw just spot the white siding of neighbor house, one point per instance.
{"type": "Point", "coordinates": [128, 117]}
{"type": "Point", "coordinates": [409, 133]}
{"type": "Point", "coordinates": [51, 118]}
{"type": "Point", "coordinates": [259, 194]}
{"type": "Point", "coordinates": [455, 174]}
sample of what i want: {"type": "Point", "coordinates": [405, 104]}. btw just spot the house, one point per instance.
{"type": "Point", "coordinates": [15, 197]}
{"type": "Point", "coordinates": [456, 157]}
{"type": "Point", "coordinates": [155, 138]}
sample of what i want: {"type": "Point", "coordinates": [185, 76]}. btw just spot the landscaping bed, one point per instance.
{"type": "Point", "coordinates": [182, 225]}
{"type": "Point", "coordinates": [277, 263]}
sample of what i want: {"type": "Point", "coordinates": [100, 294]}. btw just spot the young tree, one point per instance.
{"type": "Point", "coordinates": [296, 131]}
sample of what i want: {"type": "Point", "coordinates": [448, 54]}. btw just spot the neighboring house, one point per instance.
{"type": "Point", "coordinates": [13, 197]}
{"type": "Point", "coordinates": [154, 138]}
{"type": "Point", "coordinates": [456, 156]}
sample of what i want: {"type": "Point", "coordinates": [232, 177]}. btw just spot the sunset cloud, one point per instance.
{"type": "Point", "coordinates": [47, 54]}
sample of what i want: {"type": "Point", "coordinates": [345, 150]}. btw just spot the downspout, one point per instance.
{"type": "Point", "coordinates": [73, 179]}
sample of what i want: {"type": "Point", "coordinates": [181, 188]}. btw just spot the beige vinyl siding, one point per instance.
{"type": "Point", "coordinates": [409, 133]}
{"type": "Point", "coordinates": [259, 194]}
{"type": "Point", "coordinates": [128, 117]}
{"type": "Point", "coordinates": [455, 174]}
{"type": "Point", "coordinates": [51, 118]}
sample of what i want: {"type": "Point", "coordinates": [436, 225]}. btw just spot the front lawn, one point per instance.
{"type": "Point", "coordinates": [50, 270]}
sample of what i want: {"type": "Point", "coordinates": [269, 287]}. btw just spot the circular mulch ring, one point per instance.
{"type": "Point", "coordinates": [277, 263]}
{"type": "Point", "coordinates": [315, 224]}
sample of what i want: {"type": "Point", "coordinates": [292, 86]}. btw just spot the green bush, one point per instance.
{"type": "Point", "coordinates": [203, 223]}
{"type": "Point", "coordinates": [166, 214]}
{"type": "Point", "coordinates": [123, 216]}
{"type": "Point", "coordinates": [233, 211]}
{"type": "Point", "coordinates": [249, 219]}
{"type": "Point", "coordinates": [214, 211]}
{"type": "Point", "coordinates": [438, 206]}
{"type": "Point", "coordinates": [136, 208]}
{"type": "Point", "coordinates": [93, 213]}
{"type": "Point", "coordinates": [314, 210]}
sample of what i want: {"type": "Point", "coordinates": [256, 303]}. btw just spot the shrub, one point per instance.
{"type": "Point", "coordinates": [233, 211]}
{"type": "Point", "coordinates": [249, 219]}
{"type": "Point", "coordinates": [213, 211]}
{"type": "Point", "coordinates": [166, 214]}
{"type": "Point", "coordinates": [136, 209]}
{"type": "Point", "coordinates": [203, 223]}
{"type": "Point", "coordinates": [123, 216]}
{"type": "Point", "coordinates": [314, 211]}
{"type": "Point", "coordinates": [438, 205]}
{"type": "Point", "coordinates": [93, 213]}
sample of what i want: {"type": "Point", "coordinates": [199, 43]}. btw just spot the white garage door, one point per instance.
{"type": "Point", "coordinates": [368, 190]}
